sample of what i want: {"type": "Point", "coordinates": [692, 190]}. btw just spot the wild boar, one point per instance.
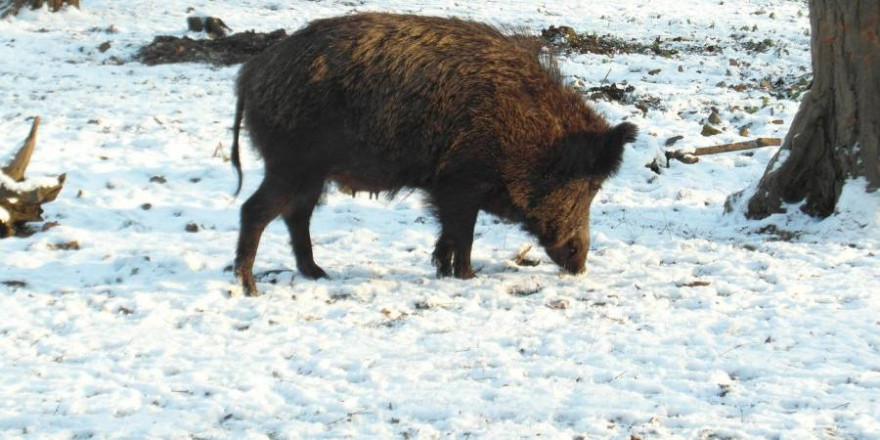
{"type": "Point", "coordinates": [476, 118]}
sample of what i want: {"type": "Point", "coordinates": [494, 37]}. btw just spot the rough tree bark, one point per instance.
{"type": "Point", "coordinates": [11, 7]}
{"type": "Point", "coordinates": [836, 132]}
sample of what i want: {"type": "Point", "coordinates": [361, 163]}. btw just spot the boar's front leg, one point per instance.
{"type": "Point", "coordinates": [457, 212]}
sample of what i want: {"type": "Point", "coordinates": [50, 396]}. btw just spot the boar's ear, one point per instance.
{"type": "Point", "coordinates": [597, 156]}
{"type": "Point", "coordinates": [611, 153]}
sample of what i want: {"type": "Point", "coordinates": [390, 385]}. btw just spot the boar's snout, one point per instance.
{"type": "Point", "coordinates": [570, 256]}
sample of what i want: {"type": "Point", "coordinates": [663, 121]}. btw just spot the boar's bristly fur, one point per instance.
{"type": "Point", "coordinates": [475, 118]}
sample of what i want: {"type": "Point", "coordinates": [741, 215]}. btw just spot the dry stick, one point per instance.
{"type": "Point", "coordinates": [605, 80]}
{"type": "Point", "coordinates": [737, 146]}
{"type": "Point", "coordinates": [690, 158]}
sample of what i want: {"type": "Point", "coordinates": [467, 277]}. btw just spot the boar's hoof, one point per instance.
{"type": "Point", "coordinates": [443, 265]}
{"type": "Point", "coordinates": [249, 287]}
{"type": "Point", "coordinates": [313, 272]}
{"type": "Point", "coordinates": [465, 274]}
{"type": "Point", "coordinates": [444, 271]}
{"type": "Point", "coordinates": [250, 290]}
{"type": "Point", "coordinates": [246, 279]}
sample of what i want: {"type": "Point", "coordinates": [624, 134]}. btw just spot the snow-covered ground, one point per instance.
{"type": "Point", "coordinates": [689, 324]}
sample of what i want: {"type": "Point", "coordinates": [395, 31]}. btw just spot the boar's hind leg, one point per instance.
{"type": "Point", "coordinates": [457, 215]}
{"type": "Point", "coordinates": [297, 218]}
{"type": "Point", "coordinates": [268, 202]}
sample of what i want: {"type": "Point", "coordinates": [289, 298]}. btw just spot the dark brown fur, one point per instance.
{"type": "Point", "coordinates": [477, 119]}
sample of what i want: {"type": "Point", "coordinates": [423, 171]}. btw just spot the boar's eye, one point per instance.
{"type": "Point", "coordinates": [572, 249]}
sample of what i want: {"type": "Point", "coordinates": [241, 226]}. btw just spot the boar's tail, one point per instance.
{"type": "Point", "coordinates": [236, 128]}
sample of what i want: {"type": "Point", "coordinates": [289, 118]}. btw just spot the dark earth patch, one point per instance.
{"type": "Point", "coordinates": [224, 51]}
{"type": "Point", "coordinates": [566, 39]}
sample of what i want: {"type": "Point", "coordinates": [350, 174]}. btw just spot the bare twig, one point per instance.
{"type": "Point", "coordinates": [605, 80]}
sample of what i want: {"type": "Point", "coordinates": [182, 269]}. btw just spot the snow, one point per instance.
{"type": "Point", "coordinates": [689, 323]}
{"type": "Point", "coordinates": [30, 184]}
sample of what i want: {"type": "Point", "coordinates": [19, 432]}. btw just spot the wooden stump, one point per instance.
{"type": "Point", "coordinates": [12, 7]}
{"type": "Point", "coordinates": [21, 201]}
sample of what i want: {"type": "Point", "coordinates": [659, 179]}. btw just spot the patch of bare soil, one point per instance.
{"type": "Point", "coordinates": [565, 38]}
{"type": "Point", "coordinates": [612, 92]}
{"type": "Point", "coordinates": [233, 49]}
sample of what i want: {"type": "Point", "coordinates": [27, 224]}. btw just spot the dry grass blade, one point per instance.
{"type": "Point", "coordinates": [521, 260]}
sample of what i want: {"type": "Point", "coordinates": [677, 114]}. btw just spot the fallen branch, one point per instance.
{"type": "Point", "coordinates": [691, 157]}
{"type": "Point", "coordinates": [738, 146]}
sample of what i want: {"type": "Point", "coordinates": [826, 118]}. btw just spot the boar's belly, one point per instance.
{"type": "Point", "coordinates": [353, 183]}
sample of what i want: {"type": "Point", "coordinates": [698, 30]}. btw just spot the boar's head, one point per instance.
{"type": "Point", "coordinates": [562, 191]}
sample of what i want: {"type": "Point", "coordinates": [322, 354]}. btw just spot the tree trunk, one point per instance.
{"type": "Point", "coordinates": [13, 6]}
{"type": "Point", "coordinates": [836, 132]}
